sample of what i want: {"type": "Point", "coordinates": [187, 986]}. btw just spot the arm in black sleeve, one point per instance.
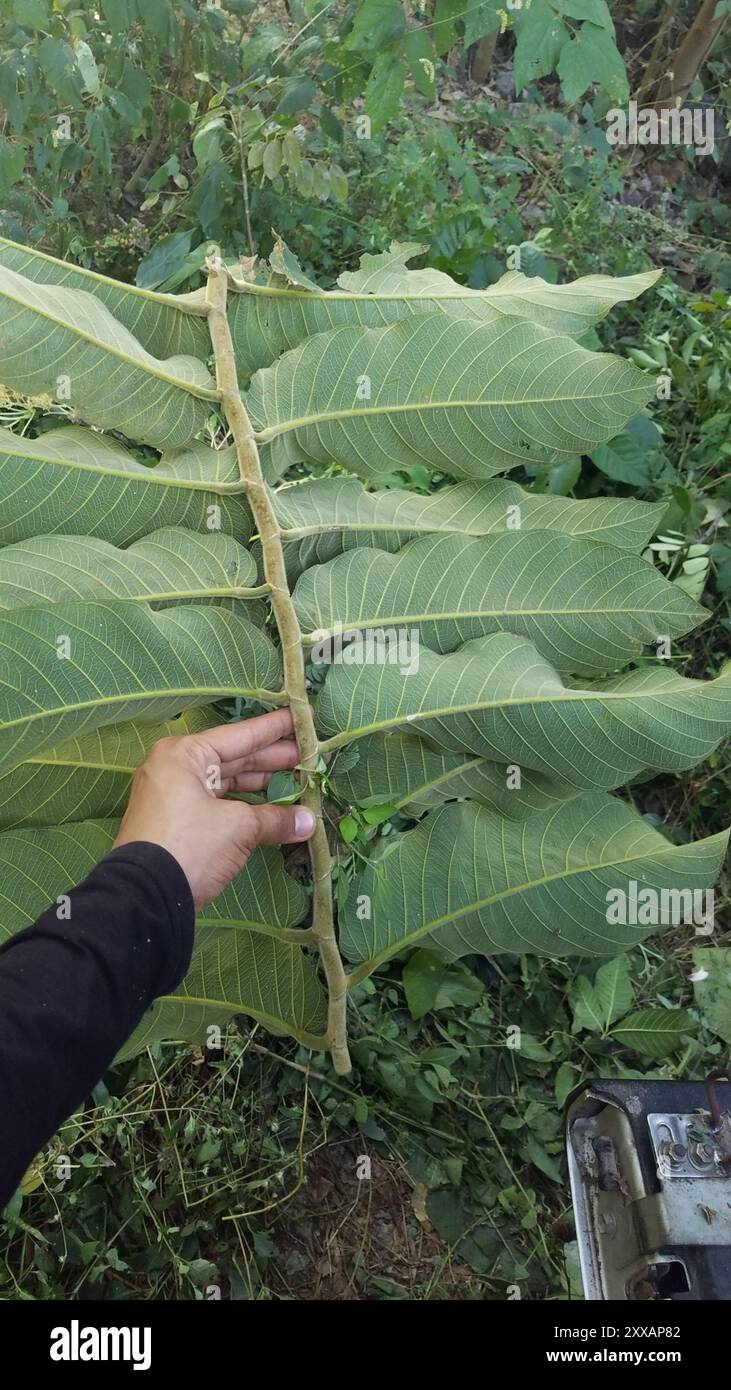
{"type": "Point", "coordinates": [73, 988]}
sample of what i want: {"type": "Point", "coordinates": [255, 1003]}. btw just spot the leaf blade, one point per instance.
{"type": "Point", "coordinates": [65, 344]}
{"type": "Point", "coordinates": [324, 517]}
{"type": "Point", "coordinates": [585, 607]}
{"type": "Point", "coordinates": [238, 962]}
{"type": "Point", "coordinates": [123, 662]}
{"type": "Point", "coordinates": [497, 698]}
{"type": "Point", "coordinates": [159, 321]}
{"type": "Point", "coordinates": [654, 1032]}
{"type": "Point", "coordinates": [468, 399]}
{"type": "Point", "coordinates": [539, 886]}
{"type": "Point", "coordinates": [278, 312]}
{"type": "Point", "coordinates": [74, 480]}
{"type": "Point", "coordinates": [613, 989]}
{"type": "Point", "coordinates": [168, 566]}
{"type": "Point", "coordinates": [89, 777]}
{"type": "Point", "coordinates": [403, 771]}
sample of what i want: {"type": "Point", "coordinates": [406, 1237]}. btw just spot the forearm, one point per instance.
{"type": "Point", "coordinates": [74, 986]}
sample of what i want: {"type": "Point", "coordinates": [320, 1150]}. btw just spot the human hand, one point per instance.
{"type": "Point", "coordinates": [177, 799]}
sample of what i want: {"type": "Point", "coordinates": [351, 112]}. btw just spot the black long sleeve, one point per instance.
{"type": "Point", "coordinates": [73, 989]}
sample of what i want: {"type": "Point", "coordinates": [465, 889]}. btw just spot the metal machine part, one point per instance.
{"type": "Point", "coordinates": [650, 1171]}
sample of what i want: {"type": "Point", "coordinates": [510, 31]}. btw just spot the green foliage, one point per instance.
{"type": "Point", "coordinates": [179, 100]}
{"type": "Point", "coordinates": [464, 1126]}
{"type": "Point", "coordinates": [203, 112]}
{"type": "Point", "coordinates": [574, 38]}
{"type": "Point", "coordinates": [461, 1118]}
{"type": "Point", "coordinates": [604, 1008]}
{"type": "Point", "coordinates": [531, 644]}
{"type": "Point", "coordinates": [654, 1032]}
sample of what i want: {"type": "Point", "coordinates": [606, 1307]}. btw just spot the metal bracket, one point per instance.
{"type": "Point", "coordinates": [685, 1147]}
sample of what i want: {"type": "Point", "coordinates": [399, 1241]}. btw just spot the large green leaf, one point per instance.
{"type": "Point", "coordinates": [238, 972]}
{"type": "Point", "coordinates": [586, 607]}
{"type": "Point", "coordinates": [499, 699]}
{"type": "Point", "coordinates": [466, 880]}
{"type": "Point", "coordinates": [323, 517]}
{"type": "Point", "coordinates": [39, 865]}
{"type": "Point", "coordinates": [238, 966]}
{"type": "Point", "coordinates": [65, 344]}
{"type": "Point", "coordinates": [280, 311]}
{"type": "Point", "coordinates": [466, 398]}
{"type": "Point", "coordinates": [70, 667]}
{"type": "Point", "coordinates": [87, 778]}
{"type": "Point", "coordinates": [570, 309]}
{"type": "Point", "coordinates": [401, 770]}
{"type": "Point", "coordinates": [169, 566]}
{"type": "Point", "coordinates": [158, 321]}
{"type": "Point", "coordinates": [75, 481]}
{"type": "Point", "coordinates": [540, 35]}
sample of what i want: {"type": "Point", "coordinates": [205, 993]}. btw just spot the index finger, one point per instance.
{"type": "Point", "coordinates": [231, 742]}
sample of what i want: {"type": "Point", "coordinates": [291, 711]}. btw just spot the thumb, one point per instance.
{"type": "Point", "coordinates": [278, 825]}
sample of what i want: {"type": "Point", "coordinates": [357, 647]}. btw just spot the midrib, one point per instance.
{"type": "Point", "coordinates": [398, 408]}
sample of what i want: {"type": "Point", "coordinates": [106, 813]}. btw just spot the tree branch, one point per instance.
{"type": "Point", "coordinates": [258, 496]}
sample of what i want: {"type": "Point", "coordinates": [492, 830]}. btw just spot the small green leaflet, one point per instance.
{"type": "Point", "coordinates": [596, 1006]}
{"type": "Point", "coordinates": [654, 1033]}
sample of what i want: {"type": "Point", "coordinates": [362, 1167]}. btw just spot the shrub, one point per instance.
{"type": "Point", "coordinates": [479, 660]}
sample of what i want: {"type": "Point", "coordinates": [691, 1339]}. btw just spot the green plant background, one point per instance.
{"type": "Point", "coordinates": [238, 1171]}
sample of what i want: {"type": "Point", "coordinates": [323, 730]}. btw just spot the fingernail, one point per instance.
{"type": "Point", "coordinates": [304, 821]}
